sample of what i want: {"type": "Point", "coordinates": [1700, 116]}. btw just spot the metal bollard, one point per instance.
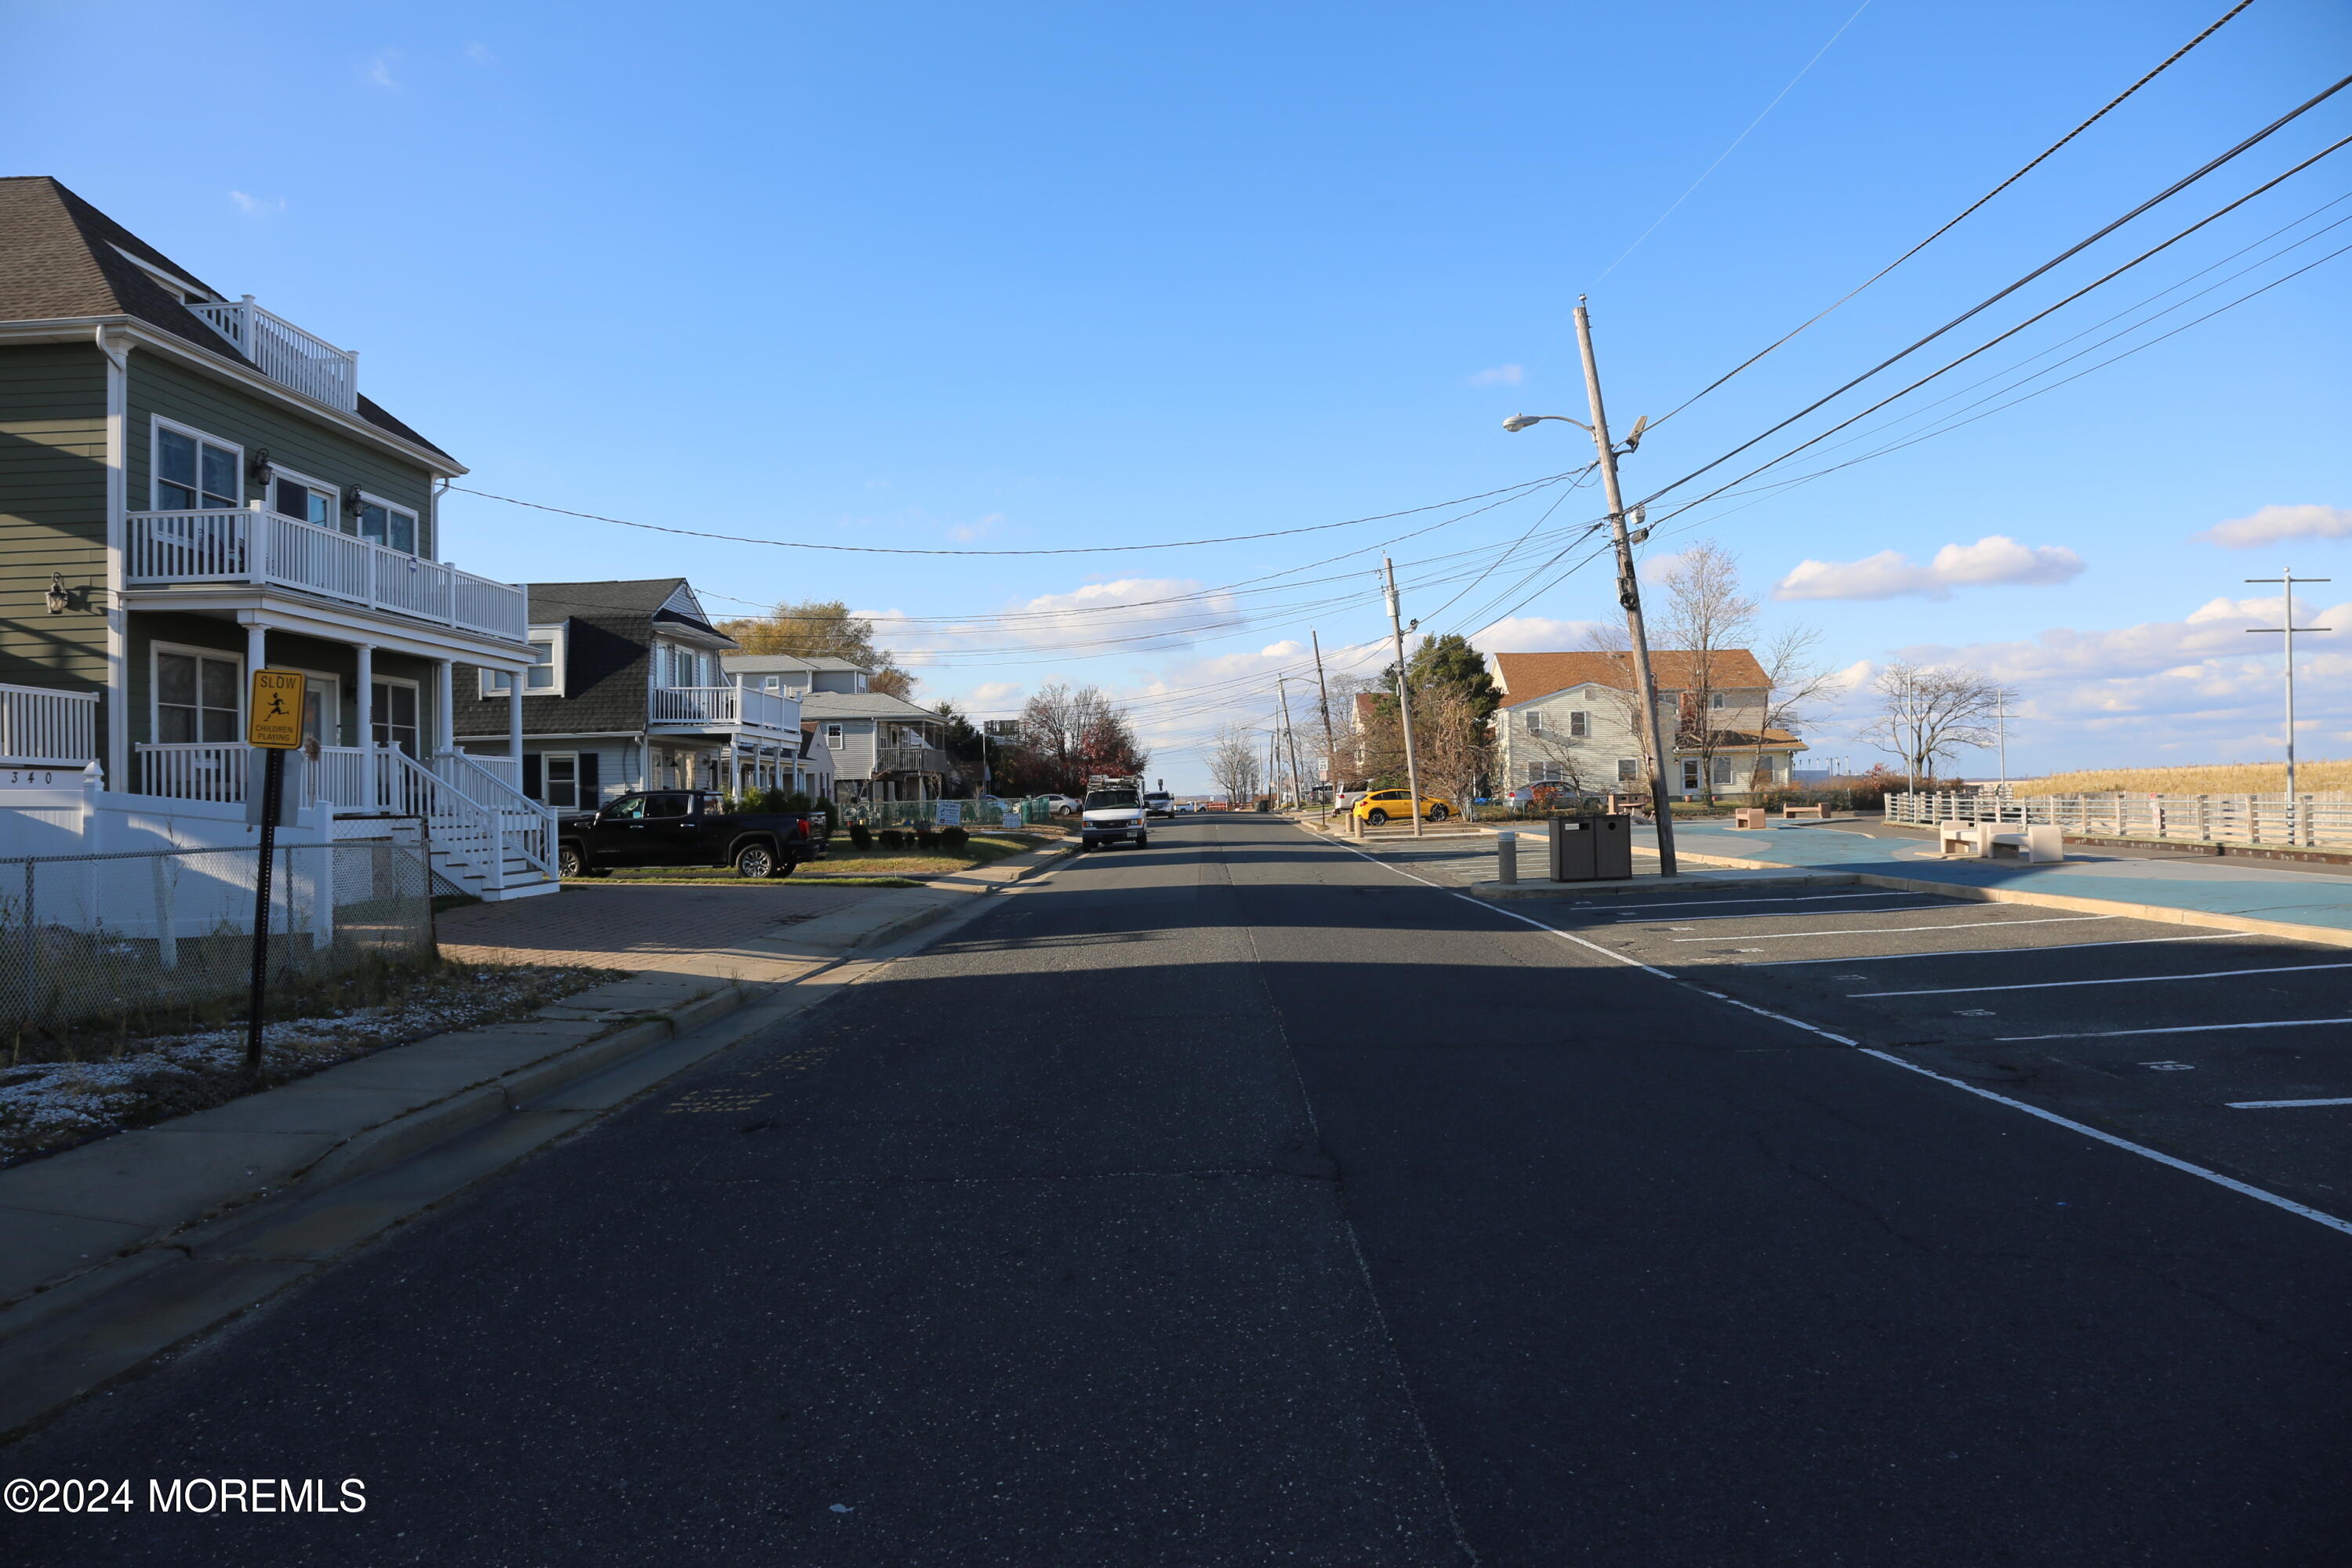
{"type": "Point", "coordinates": [1506, 857]}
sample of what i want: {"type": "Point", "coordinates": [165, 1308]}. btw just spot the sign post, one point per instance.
{"type": "Point", "coordinates": [273, 722]}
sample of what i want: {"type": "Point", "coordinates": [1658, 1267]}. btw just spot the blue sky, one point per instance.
{"type": "Point", "coordinates": [1043, 277]}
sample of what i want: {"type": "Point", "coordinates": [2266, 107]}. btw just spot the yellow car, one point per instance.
{"type": "Point", "coordinates": [1383, 804]}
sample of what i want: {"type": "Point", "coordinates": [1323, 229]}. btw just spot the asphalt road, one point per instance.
{"type": "Point", "coordinates": [1240, 1200]}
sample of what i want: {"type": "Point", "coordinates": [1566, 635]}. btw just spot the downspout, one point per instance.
{"type": "Point", "coordinates": [116, 347]}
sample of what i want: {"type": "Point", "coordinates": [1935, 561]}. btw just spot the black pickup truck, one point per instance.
{"type": "Point", "coordinates": [684, 827]}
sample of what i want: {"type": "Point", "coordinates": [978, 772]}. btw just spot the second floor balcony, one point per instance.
{"type": "Point", "coordinates": [686, 710]}
{"type": "Point", "coordinates": [265, 549]}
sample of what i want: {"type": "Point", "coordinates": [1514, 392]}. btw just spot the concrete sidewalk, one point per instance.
{"type": "Point", "coordinates": [118, 1206]}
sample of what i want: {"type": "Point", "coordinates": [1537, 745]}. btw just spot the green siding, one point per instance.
{"type": "Point", "coordinates": [310, 446]}
{"type": "Point", "coordinates": [52, 514]}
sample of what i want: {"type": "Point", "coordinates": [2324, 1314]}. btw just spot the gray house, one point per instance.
{"type": "Point", "coordinates": [879, 748]}
{"type": "Point", "coordinates": [625, 691]}
{"type": "Point", "coordinates": [193, 487]}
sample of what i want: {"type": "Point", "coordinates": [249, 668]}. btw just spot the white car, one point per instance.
{"type": "Point", "coordinates": [1112, 816]}
{"type": "Point", "coordinates": [1159, 802]}
{"type": "Point", "coordinates": [1062, 804]}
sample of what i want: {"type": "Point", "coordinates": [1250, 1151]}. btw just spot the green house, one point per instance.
{"type": "Point", "coordinates": [193, 487]}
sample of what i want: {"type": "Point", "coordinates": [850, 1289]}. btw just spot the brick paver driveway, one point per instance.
{"type": "Point", "coordinates": [666, 927]}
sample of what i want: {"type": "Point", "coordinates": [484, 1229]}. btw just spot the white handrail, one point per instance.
{"type": "Point", "coordinates": [725, 708]}
{"type": "Point", "coordinates": [525, 825]}
{"type": "Point", "coordinates": [242, 545]}
{"type": "Point", "coordinates": [305, 361]}
{"type": "Point", "coordinates": [2307, 820]}
{"type": "Point", "coordinates": [42, 728]}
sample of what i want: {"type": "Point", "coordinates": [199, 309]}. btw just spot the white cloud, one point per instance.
{"type": "Point", "coordinates": [995, 693]}
{"type": "Point", "coordinates": [2276, 524]}
{"type": "Point", "coordinates": [479, 53]}
{"type": "Point", "coordinates": [1500, 375]}
{"type": "Point", "coordinates": [380, 72]}
{"type": "Point", "coordinates": [1994, 560]}
{"type": "Point", "coordinates": [967, 531]}
{"type": "Point", "coordinates": [1535, 634]}
{"type": "Point", "coordinates": [258, 206]}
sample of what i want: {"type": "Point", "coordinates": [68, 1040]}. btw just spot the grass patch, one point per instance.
{"type": "Point", "coordinates": [2229, 778]}
{"type": "Point", "coordinates": [83, 1088]}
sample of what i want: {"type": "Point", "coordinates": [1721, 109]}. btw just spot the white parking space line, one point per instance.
{"type": "Point", "coordinates": [1799, 899]}
{"type": "Point", "coordinates": [1785, 915]}
{"type": "Point", "coordinates": [2178, 1029]}
{"type": "Point", "coordinates": [2244, 1188]}
{"type": "Point", "coordinates": [2124, 980]}
{"type": "Point", "coordinates": [1896, 931]}
{"type": "Point", "coordinates": [1979, 951]}
{"type": "Point", "coordinates": [2281, 1104]}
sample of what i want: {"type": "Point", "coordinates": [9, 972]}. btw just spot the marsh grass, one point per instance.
{"type": "Point", "coordinates": [2231, 778]}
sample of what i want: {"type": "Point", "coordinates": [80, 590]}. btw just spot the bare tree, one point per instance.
{"type": "Point", "coordinates": [1800, 681]}
{"type": "Point", "coordinates": [1234, 763]}
{"type": "Point", "coordinates": [1704, 615]}
{"type": "Point", "coordinates": [1451, 741]}
{"type": "Point", "coordinates": [1926, 713]}
{"type": "Point", "coordinates": [1608, 638]}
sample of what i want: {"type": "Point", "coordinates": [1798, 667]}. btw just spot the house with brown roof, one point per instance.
{"type": "Point", "coordinates": [1571, 719]}
{"type": "Point", "coordinates": [193, 487]}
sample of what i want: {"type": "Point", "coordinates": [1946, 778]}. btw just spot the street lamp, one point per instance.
{"type": "Point", "coordinates": [1629, 586]}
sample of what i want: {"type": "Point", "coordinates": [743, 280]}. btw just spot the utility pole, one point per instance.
{"type": "Point", "coordinates": [1323, 696]}
{"type": "Point", "coordinates": [1404, 707]}
{"type": "Point", "coordinates": [2287, 579]}
{"type": "Point", "coordinates": [2001, 730]}
{"type": "Point", "coordinates": [1282, 695]}
{"type": "Point", "coordinates": [1629, 595]}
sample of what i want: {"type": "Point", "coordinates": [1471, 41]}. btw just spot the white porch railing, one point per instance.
{"type": "Point", "coordinates": [295, 359]}
{"type": "Point", "coordinates": [2306, 821]}
{"type": "Point", "coordinates": [43, 729]}
{"type": "Point", "coordinates": [474, 815]}
{"type": "Point", "coordinates": [241, 545]}
{"type": "Point", "coordinates": [736, 707]}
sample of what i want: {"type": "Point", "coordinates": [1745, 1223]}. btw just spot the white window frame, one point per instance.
{"type": "Point", "coordinates": [155, 692]}
{"type": "Point", "coordinates": [1534, 721]}
{"type": "Point", "coordinates": [378, 713]}
{"type": "Point", "coordinates": [835, 738]}
{"type": "Point", "coordinates": [415, 525]}
{"type": "Point", "coordinates": [544, 782]}
{"type": "Point", "coordinates": [1629, 770]}
{"type": "Point", "coordinates": [1579, 724]}
{"type": "Point", "coordinates": [558, 637]}
{"type": "Point", "coordinates": [1692, 777]}
{"type": "Point", "coordinates": [333, 492]}
{"type": "Point", "coordinates": [156, 426]}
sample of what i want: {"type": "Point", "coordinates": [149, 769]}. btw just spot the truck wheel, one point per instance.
{"type": "Point", "coordinates": [786, 868]}
{"type": "Point", "coordinates": [1376, 817]}
{"type": "Point", "coordinates": [569, 862]}
{"type": "Point", "coordinates": [1143, 841]}
{"type": "Point", "coordinates": [755, 860]}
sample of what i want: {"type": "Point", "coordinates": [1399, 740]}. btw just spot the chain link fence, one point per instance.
{"type": "Point", "coordinates": [988, 811]}
{"type": "Point", "coordinates": [134, 942]}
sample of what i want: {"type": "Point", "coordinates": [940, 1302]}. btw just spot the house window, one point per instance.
{"type": "Point", "coordinates": [388, 526]}
{"type": "Point", "coordinates": [1535, 722]}
{"type": "Point", "coordinates": [1628, 771]}
{"type": "Point", "coordinates": [559, 779]}
{"type": "Point", "coordinates": [544, 678]}
{"type": "Point", "coordinates": [193, 472]}
{"type": "Point", "coordinates": [1579, 724]}
{"type": "Point", "coordinates": [197, 697]}
{"type": "Point", "coordinates": [1547, 772]}
{"type": "Point", "coordinates": [1723, 770]}
{"type": "Point", "coordinates": [1690, 774]}
{"type": "Point", "coordinates": [293, 496]}
{"type": "Point", "coordinates": [1715, 700]}
{"type": "Point", "coordinates": [832, 736]}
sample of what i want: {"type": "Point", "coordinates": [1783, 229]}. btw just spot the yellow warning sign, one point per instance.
{"type": "Point", "coordinates": [274, 716]}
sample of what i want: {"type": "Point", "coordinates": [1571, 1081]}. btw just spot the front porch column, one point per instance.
{"type": "Point", "coordinates": [372, 784]}
{"type": "Point", "coordinates": [445, 705]}
{"type": "Point", "coordinates": [257, 651]}
{"type": "Point", "coordinates": [735, 767]}
{"type": "Point", "coordinates": [514, 725]}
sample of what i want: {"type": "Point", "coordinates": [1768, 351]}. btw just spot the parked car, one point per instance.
{"type": "Point", "coordinates": [1063, 804]}
{"type": "Point", "coordinates": [684, 827]}
{"type": "Point", "coordinates": [1159, 803]}
{"type": "Point", "coordinates": [1380, 805]}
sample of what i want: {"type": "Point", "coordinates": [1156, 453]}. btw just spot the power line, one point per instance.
{"type": "Point", "coordinates": [1527, 486]}
{"type": "Point", "coordinates": [1989, 301]}
{"type": "Point", "coordinates": [2039, 158]}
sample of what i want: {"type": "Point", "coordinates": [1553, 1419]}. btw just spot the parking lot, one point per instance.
{"type": "Point", "coordinates": [2229, 1049]}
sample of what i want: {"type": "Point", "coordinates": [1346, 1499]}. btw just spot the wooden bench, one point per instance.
{"type": "Point", "coordinates": [2040, 844]}
{"type": "Point", "coordinates": [1818, 813]}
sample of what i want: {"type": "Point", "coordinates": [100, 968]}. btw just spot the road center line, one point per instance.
{"type": "Point", "coordinates": [2123, 979]}
{"type": "Point", "coordinates": [2177, 1029]}
{"type": "Point", "coordinates": [1894, 931]}
{"type": "Point", "coordinates": [2243, 1189]}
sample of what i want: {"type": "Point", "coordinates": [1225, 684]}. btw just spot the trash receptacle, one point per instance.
{"type": "Point", "coordinates": [1572, 840]}
{"type": "Point", "coordinates": [1612, 847]}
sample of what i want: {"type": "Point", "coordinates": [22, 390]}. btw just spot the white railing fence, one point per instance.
{"type": "Point", "coordinates": [40, 728]}
{"type": "Point", "coordinates": [226, 545]}
{"type": "Point", "coordinates": [725, 707]}
{"type": "Point", "coordinates": [286, 354]}
{"type": "Point", "coordinates": [2305, 821]}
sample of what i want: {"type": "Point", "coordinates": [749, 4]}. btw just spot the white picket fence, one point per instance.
{"type": "Point", "coordinates": [2307, 821]}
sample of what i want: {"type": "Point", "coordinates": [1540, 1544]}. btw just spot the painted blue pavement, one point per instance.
{"type": "Point", "coordinates": [2209, 886]}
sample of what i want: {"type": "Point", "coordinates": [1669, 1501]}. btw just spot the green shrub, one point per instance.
{"type": "Point", "coordinates": [893, 838]}
{"type": "Point", "coordinates": [926, 837]}
{"type": "Point", "coordinates": [861, 836]}
{"type": "Point", "coordinates": [953, 838]}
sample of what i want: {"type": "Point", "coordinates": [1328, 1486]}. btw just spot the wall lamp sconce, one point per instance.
{"type": "Point", "coordinates": [59, 596]}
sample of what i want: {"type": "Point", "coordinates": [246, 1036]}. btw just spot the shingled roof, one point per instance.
{"type": "Point", "coordinates": [1524, 676]}
{"type": "Point", "coordinates": [660, 598]}
{"type": "Point", "coordinates": [62, 260]}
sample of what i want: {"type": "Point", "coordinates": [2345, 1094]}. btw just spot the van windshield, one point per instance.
{"type": "Point", "coordinates": [1103, 799]}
